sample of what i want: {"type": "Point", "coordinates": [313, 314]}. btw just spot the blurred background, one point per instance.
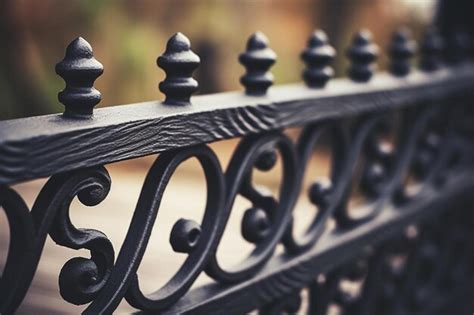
{"type": "Point", "coordinates": [127, 37]}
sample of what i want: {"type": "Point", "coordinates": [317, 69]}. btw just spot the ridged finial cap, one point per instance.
{"type": "Point", "coordinates": [179, 63]}
{"type": "Point", "coordinates": [257, 60]}
{"type": "Point", "coordinates": [431, 50]}
{"type": "Point", "coordinates": [79, 69]}
{"type": "Point", "coordinates": [401, 50]}
{"type": "Point", "coordinates": [362, 54]}
{"type": "Point", "coordinates": [317, 57]}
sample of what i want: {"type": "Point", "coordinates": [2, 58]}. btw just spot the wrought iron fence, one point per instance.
{"type": "Point", "coordinates": [405, 250]}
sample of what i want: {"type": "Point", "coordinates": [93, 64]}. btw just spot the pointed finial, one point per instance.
{"type": "Point", "coordinates": [362, 54]}
{"type": "Point", "coordinates": [401, 50]}
{"type": "Point", "coordinates": [317, 57]}
{"type": "Point", "coordinates": [257, 60]}
{"type": "Point", "coordinates": [79, 69]}
{"type": "Point", "coordinates": [179, 63]}
{"type": "Point", "coordinates": [431, 50]}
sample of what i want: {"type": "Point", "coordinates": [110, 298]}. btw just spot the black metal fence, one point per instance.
{"type": "Point", "coordinates": [406, 249]}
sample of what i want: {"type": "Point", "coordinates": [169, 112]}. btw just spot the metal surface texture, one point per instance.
{"type": "Point", "coordinates": [406, 249]}
{"type": "Point", "coordinates": [45, 145]}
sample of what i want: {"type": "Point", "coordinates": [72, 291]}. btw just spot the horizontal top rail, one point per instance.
{"type": "Point", "coordinates": [45, 145]}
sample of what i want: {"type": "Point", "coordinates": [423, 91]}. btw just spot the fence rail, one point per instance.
{"type": "Point", "coordinates": [45, 145]}
{"type": "Point", "coordinates": [407, 243]}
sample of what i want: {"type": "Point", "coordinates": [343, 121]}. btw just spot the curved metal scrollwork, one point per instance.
{"type": "Point", "coordinates": [80, 278]}
{"type": "Point", "coordinates": [18, 272]}
{"type": "Point", "coordinates": [238, 179]}
{"type": "Point", "coordinates": [201, 242]}
{"type": "Point", "coordinates": [323, 194]}
{"type": "Point", "coordinates": [416, 152]}
{"type": "Point", "coordinates": [364, 131]}
{"type": "Point", "coordinates": [399, 276]}
{"type": "Point", "coordinates": [421, 157]}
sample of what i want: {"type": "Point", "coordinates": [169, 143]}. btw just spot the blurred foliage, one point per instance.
{"type": "Point", "coordinates": [127, 37]}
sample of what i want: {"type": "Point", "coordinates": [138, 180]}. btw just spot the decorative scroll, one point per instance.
{"type": "Point", "coordinates": [104, 283]}
{"type": "Point", "coordinates": [416, 273]}
{"type": "Point", "coordinates": [80, 279]}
